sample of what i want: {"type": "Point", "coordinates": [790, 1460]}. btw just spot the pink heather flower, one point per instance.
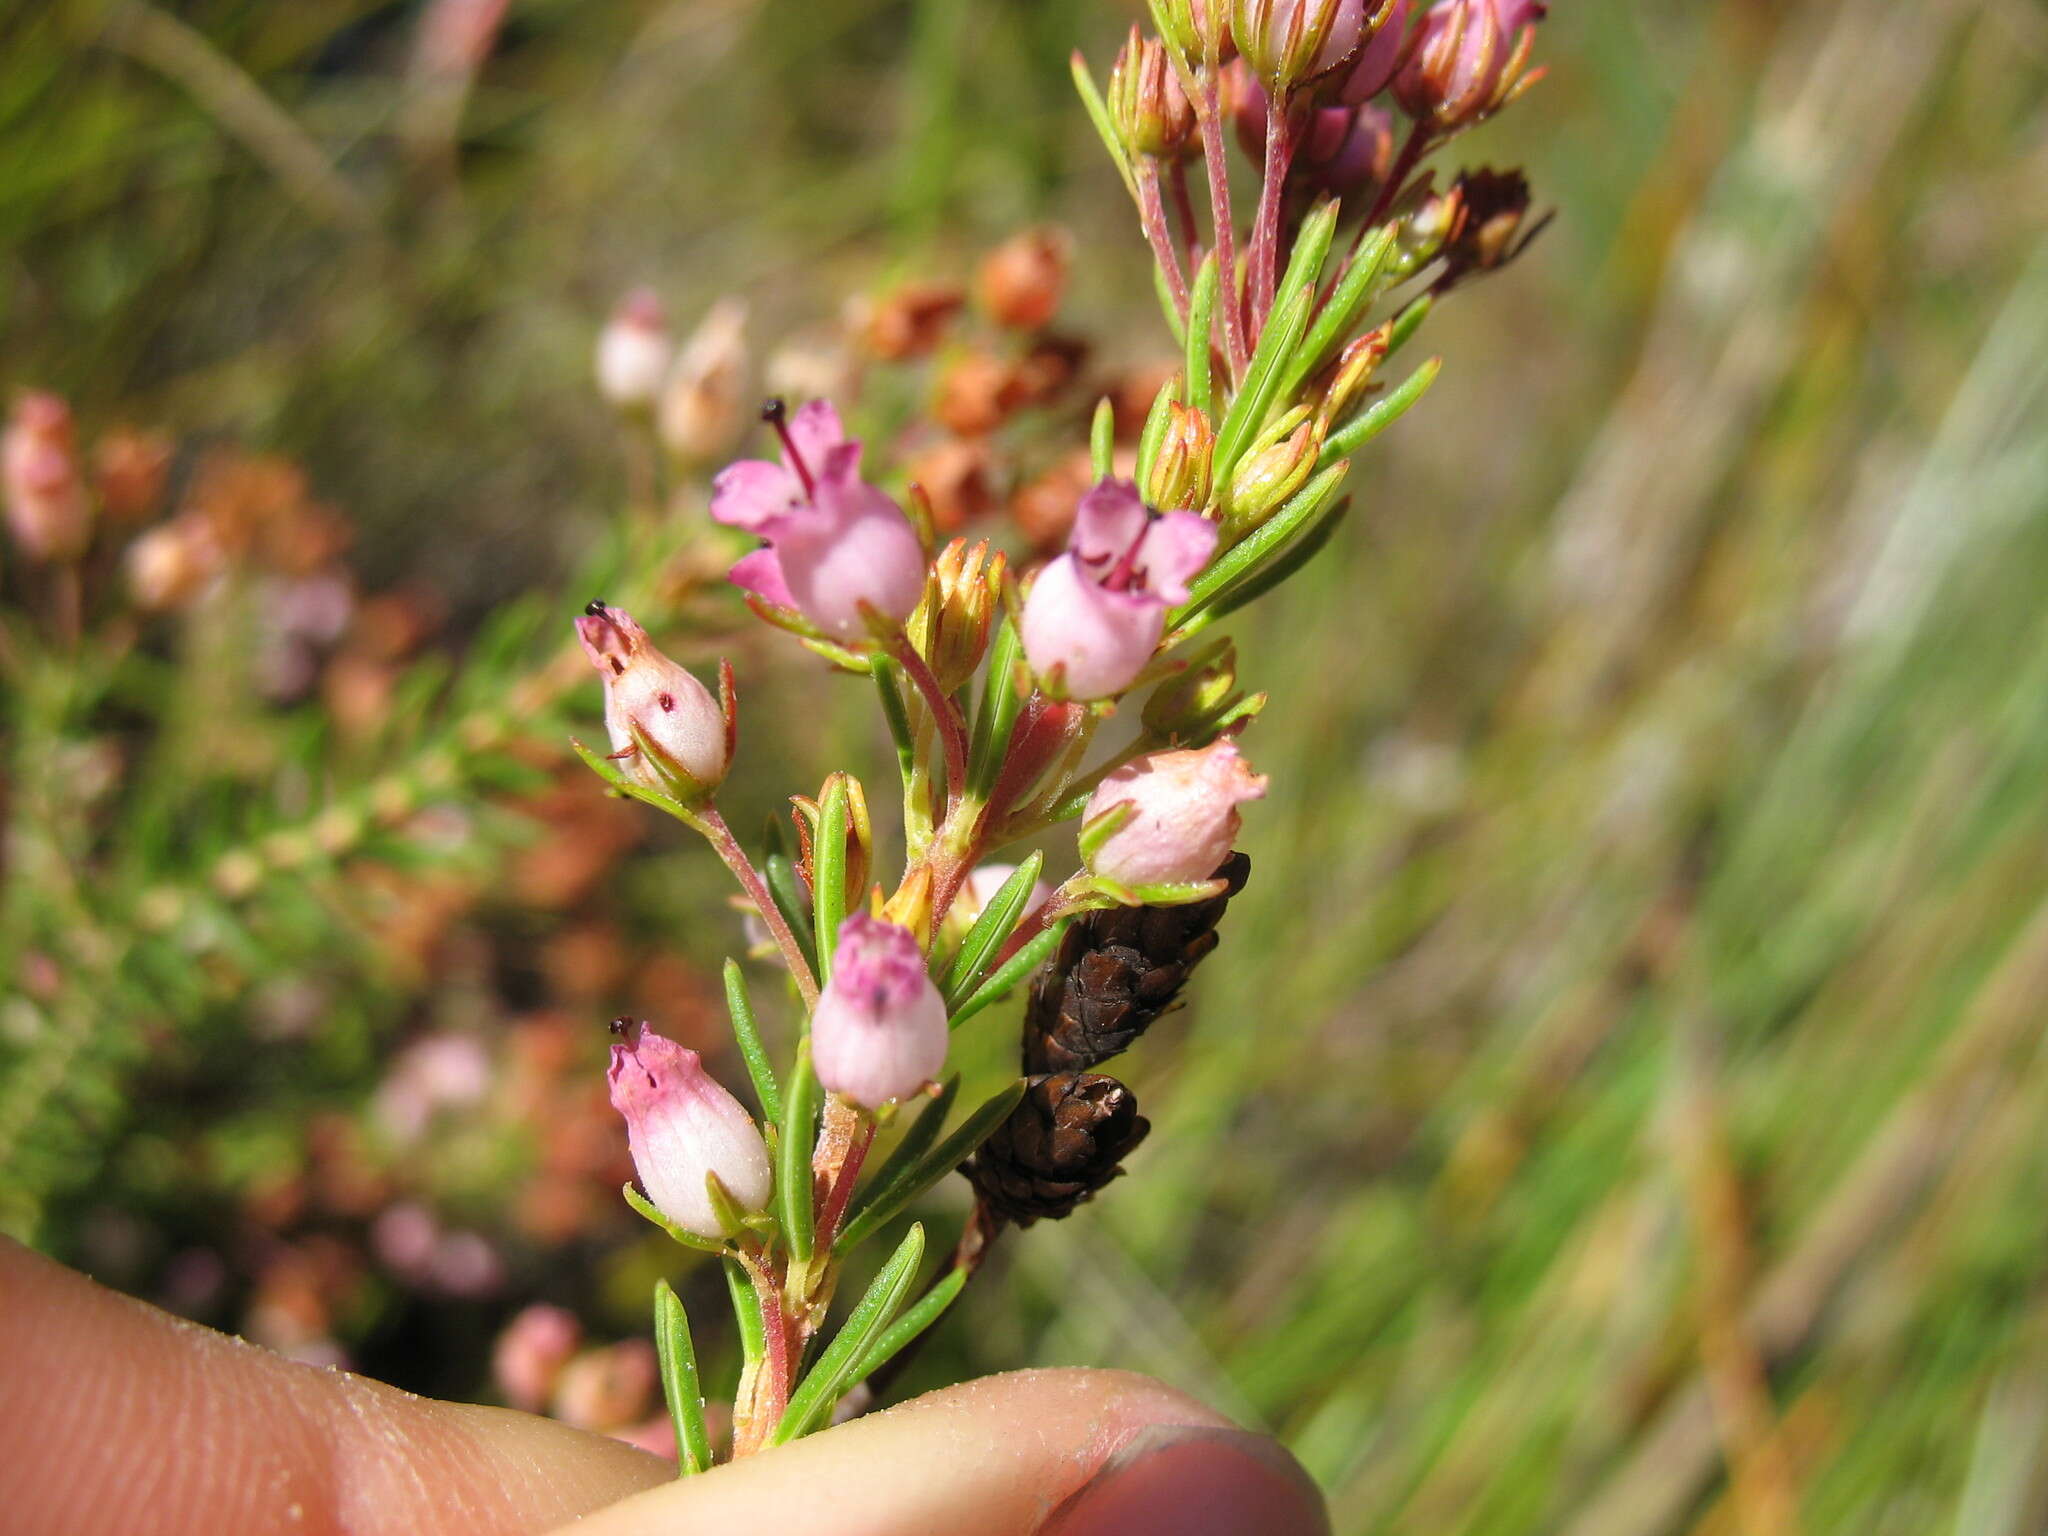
{"type": "Point", "coordinates": [1095, 615]}
{"type": "Point", "coordinates": [47, 509]}
{"type": "Point", "coordinates": [1373, 70]}
{"type": "Point", "coordinates": [879, 1032]}
{"type": "Point", "coordinates": [681, 747]}
{"type": "Point", "coordinates": [529, 1355]}
{"type": "Point", "coordinates": [681, 1126]}
{"type": "Point", "coordinates": [835, 542]}
{"type": "Point", "coordinates": [1184, 815]}
{"type": "Point", "coordinates": [633, 351]}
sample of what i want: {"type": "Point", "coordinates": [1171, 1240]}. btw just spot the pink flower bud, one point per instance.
{"type": "Point", "coordinates": [1096, 614]}
{"type": "Point", "coordinates": [1459, 68]}
{"type": "Point", "coordinates": [1288, 41]}
{"type": "Point", "coordinates": [1183, 817]}
{"type": "Point", "coordinates": [681, 1126]}
{"type": "Point", "coordinates": [633, 351]}
{"type": "Point", "coordinates": [48, 511]}
{"type": "Point", "coordinates": [1373, 70]}
{"type": "Point", "coordinates": [530, 1353]}
{"type": "Point", "coordinates": [836, 544]}
{"type": "Point", "coordinates": [667, 732]}
{"type": "Point", "coordinates": [879, 1032]}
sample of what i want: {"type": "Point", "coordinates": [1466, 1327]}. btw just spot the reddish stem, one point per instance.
{"type": "Point", "coordinates": [1264, 275]}
{"type": "Point", "coordinates": [1184, 213]}
{"type": "Point", "coordinates": [719, 835]}
{"type": "Point", "coordinates": [1152, 215]}
{"type": "Point", "coordinates": [951, 731]}
{"type": "Point", "coordinates": [1397, 179]}
{"type": "Point", "coordinates": [1209, 113]}
{"type": "Point", "coordinates": [840, 1195]}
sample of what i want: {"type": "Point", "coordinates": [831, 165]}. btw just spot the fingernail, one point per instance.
{"type": "Point", "coordinates": [1195, 1482]}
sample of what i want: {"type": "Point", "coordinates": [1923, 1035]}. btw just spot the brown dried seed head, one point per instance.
{"type": "Point", "coordinates": [1115, 973]}
{"type": "Point", "coordinates": [1062, 1143]}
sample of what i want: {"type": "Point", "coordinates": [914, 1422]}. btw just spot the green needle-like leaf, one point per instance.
{"type": "Point", "coordinates": [833, 1374]}
{"type": "Point", "coordinates": [1201, 320]}
{"type": "Point", "coordinates": [1343, 310]}
{"type": "Point", "coordinates": [1102, 437]}
{"type": "Point", "coordinates": [891, 692]}
{"type": "Point", "coordinates": [996, 716]}
{"type": "Point", "coordinates": [1009, 973]}
{"type": "Point", "coordinates": [798, 1131]}
{"type": "Point", "coordinates": [1098, 114]}
{"type": "Point", "coordinates": [1262, 379]}
{"type": "Point", "coordinates": [679, 1380]}
{"type": "Point", "coordinates": [985, 938]}
{"type": "Point", "coordinates": [1380, 415]}
{"type": "Point", "coordinates": [914, 1142]}
{"type": "Point", "coordinates": [1253, 550]}
{"type": "Point", "coordinates": [748, 1034]}
{"type": "Point", "coordinates": [828, 874]}
{"type": "Point", "coordinates": [883, 1205]}
{"type": "Point", "coordinates": [652, 1212]}
{"type": "Point", "coordinates": [917, 1317]}
{"type": "Point", "coordinates": [793, 903]}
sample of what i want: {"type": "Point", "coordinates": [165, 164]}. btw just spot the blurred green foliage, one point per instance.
{"type": "Point", "coordinates": [1615, 1106]}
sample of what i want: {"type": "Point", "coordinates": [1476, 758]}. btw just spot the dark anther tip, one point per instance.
{"type": "Point", "coordinates": [773, 409]}
{"type": "Point", "coordinates": [595, 608]}
{"type": "Point", "coordinates": [621, 1026]}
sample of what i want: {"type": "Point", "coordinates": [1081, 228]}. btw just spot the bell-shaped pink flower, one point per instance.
{"type": "Point", "coordinates": [681, 1126]}
{"type": "Point", "coordinates": [1183, 817]}
{"type": "Point", "coordinates": [48, 511]}
{"type": "Point", "coordinates": [666, 730]}
{"type": "Point", "coordinates": [836, 544]}
{"type": "Point", "coordinates": [1095, 615]}
{"type": "Point", "coordinates": [879, 1030]}
{"type": "Point", "coordinates": [633, 351]}
{"type": "Point", "coordinates": [1373, 70]}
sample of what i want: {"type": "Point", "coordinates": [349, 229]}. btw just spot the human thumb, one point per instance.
{"type": "Point", "coordinates": [1033, 1453]}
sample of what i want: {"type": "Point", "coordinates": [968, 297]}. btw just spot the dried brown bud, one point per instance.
{"type": "Point", "coordinates": [1022, 281]}
{"type": "Point", "coordinates": [910, 321]}
{"type": "Point", "coordinates": [955, 477]}
{"type": "Point", "coordinates": [1043, 507]}
{"type": "Point", "coordinates": [976, 394]}
{"type": "Point", "coordinates": [1063, 1142]}
{"type": "Point", "coordinates": [129, 470]}
{"type": "Point", "coordinates": [1115, 973]}
{"type": "Point", "coordinates": [1489, 232]}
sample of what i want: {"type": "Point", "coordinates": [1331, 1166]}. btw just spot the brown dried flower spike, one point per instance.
{"type": "Point", "coordinates": [1063, 1142]}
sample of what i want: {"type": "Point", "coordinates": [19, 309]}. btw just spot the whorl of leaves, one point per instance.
{"type": "Point", "coordinates": [1115, 973]}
